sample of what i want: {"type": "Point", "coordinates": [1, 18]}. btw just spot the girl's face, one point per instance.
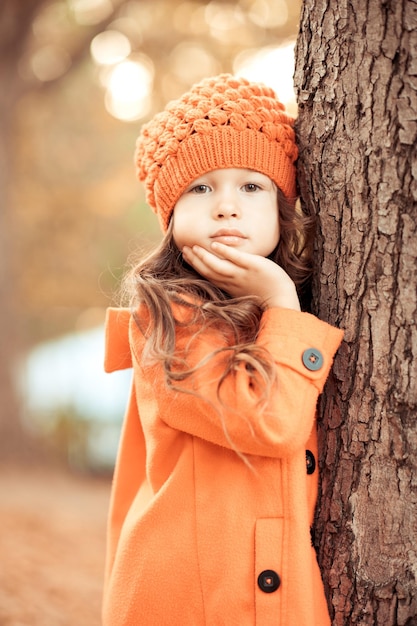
{"type": "Point", "coordinates": [235, 206]}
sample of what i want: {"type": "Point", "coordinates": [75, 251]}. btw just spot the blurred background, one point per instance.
{"type": "Point", "coordinates": [79, 77]}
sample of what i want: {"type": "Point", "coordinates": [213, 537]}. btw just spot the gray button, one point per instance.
{"type": "Point", "coordinates": [312, 359]}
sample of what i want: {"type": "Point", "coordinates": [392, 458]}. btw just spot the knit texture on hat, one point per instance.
{"type": "Point", "coordinates": [221, 122]}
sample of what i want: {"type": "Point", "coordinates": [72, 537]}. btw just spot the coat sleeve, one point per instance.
{"type": "Point", "coordinates": [302, 349]}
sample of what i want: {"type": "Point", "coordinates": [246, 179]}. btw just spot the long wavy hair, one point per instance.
{"type": "Point", "coordinates": [163, 279]}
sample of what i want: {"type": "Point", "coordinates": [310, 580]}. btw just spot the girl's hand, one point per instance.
{"type": "Point", "coordinates": [243, 274]}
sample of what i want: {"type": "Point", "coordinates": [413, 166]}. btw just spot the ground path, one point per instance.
{"type": "Point", "coordinates": [52, 541]}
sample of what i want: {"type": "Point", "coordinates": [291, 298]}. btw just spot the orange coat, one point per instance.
{"type": "Point", "coordinates": [196, 536]}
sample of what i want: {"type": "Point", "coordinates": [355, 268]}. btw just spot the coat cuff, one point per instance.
{"type": "Point", "coordinates": [300, 341]}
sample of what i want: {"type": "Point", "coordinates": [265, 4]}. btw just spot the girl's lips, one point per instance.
{"type": "Point", "coordinates": [230, 237]}
{"type": "Point", "coordinates": [228, 240]}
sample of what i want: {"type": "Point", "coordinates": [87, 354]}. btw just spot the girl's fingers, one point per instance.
{"type": "Point", "coordinates": [205, 261]}
{"type": "Point", "coordinates": [223, 252]}
{"type": "Point", "coordinates": [231, 254]}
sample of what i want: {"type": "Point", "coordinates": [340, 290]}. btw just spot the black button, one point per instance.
{"type": "Point", "coordinates": [268, 581]}
{"type": "Point", "coordinates": [312, 359]}
{"type": "Point", "coordinates": [310, 462]}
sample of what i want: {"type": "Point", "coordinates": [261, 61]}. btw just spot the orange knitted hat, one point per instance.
{"type": "Point", "coordinates": [221, 122]}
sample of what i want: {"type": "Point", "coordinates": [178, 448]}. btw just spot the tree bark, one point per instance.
{"type": "Point", "coordinates": [356, 83]}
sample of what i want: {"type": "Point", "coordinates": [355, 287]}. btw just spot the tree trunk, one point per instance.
{"type": "Point", "coordinates": [356, 82]}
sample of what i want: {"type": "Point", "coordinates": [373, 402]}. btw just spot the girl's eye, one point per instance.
{"type": "Point", "coordinates": [251, 187]}
{"type": "Point", "coordinates": [200, 189]}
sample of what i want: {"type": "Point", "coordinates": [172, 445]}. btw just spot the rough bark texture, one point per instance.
{"type": "Point", "coordinates": [356, 80]}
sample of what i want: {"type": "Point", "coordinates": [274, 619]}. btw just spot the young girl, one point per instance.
{"type": "Point", "coordinates": [216, 478]}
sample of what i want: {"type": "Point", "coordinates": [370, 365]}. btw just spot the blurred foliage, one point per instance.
{"type": "Point", "coordinates": [82, 445]}
{"type": "Point", "coordinates": [77, 208]}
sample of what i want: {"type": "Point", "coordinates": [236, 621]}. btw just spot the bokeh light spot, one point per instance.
{"type": "Point", "coordinates": [49, 63]}
{"type": "Point", "coordinates": [110, 47]}
{"type": "Point", "coordinates": [268, 13]}
{"type": "Point", "coordinates": [129, 88]}
{"type": "Point", "coordinates": [190, 62]}
{"type": "Point", "coordinates": [225, 21]}
{"type": "Point", "coordinates": [87, 12]}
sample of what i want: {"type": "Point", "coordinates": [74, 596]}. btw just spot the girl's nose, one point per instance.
{"type": "Point", "coordinates": [227, 206]}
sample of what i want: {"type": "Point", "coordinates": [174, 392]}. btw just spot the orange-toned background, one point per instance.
{"type": "Point", "coordinates": [77, 79]}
